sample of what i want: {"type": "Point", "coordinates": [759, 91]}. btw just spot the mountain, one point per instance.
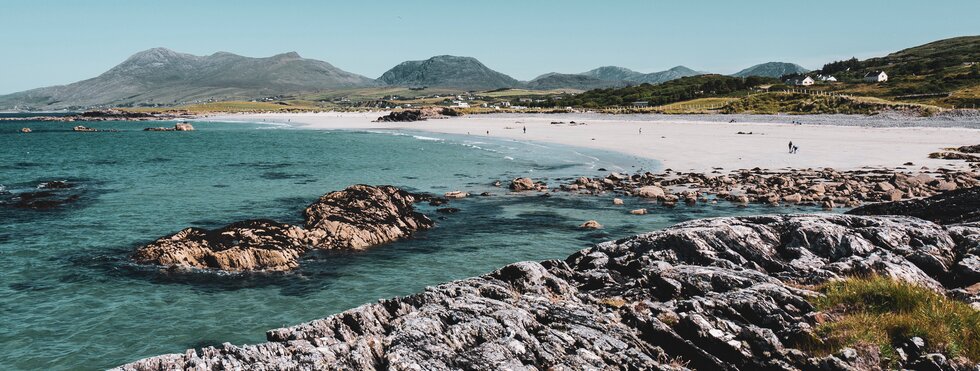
{"type": "Point", "coordinates": [771, 69]}
{"type": "Point", "coordinates": [448, 71]}
{"type": "Point", "coordinates": [668, 75]}
{"type": "Point", "coordinates": [553, 80]}
{"type": "Point", "coordinates": [613, 73]}
{"type": "Point", "coordinates": [163, 76]}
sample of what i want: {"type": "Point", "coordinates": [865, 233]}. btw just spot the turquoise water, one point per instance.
{"type": "Point", "coordinates": [70, 300]}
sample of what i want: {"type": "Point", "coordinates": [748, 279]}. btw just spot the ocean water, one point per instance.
{"type": "Point", "coordinates": [69, 298]}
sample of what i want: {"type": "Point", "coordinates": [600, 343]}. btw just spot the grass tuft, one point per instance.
{"type": "Point", "coordinates": [884, 312]}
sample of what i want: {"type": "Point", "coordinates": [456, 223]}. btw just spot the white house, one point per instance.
{"type": "Point", "coordinates": [877, 76]}
{"type": "Point", "coordinates": [806, 81]}
{"type": "Point", "coordinates": [827, 78]}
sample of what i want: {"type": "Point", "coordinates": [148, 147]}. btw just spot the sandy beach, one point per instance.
{"type": "Point", "coordinates": [686, 143]}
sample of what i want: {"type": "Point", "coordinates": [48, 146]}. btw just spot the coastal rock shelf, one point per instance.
{"type": "Point", "coordinates": [712, 294]}
{"type": "Point", "coordinates": [358, 217]}
{"type": "Point", "coordinates": [827, 187]}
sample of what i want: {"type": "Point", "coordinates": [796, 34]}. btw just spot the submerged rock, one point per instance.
{"type": "Point", "coordinates": [712, 294]}
{"type": "Point", "coordinates": [357, 217]}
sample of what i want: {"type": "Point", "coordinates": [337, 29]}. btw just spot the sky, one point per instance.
{"type": "Point", "coordinates": [52, 42]}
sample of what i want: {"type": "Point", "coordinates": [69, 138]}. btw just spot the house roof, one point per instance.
{"type": "Point", "coordinates": [874, 73]}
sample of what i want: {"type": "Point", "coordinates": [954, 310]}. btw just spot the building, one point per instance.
{"type": "Point", "coordinates": [827, 78]}
{"type": "Point", "coordinates": [806, 81]}
{"type": "Point", "coordinates": [876, 76]}
{"type": "Point", "coordinates": [640, 104]}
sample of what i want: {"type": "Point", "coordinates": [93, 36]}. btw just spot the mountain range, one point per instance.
{"type": "Point", "coordinates": [161, 76]}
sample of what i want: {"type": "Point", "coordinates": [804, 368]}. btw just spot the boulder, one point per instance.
{"type": "Point", "coordinates": [651, 192]}
{"type": "Point", "coordinates": [638, 212]}
{"type": "Point", "coordinates": [456, 194]}
{"type": "Point", "coordinates": [183, 126]}
{"type": "Point", "coordinates": [793, 198]}
{"type": "Point", "coordinates": [25, 130]}
{"type": "Point", "coordinates": [591, 224]}
{"type": "Point", "coordinates": [617, 201]}
{"type": "Point", "coordinates": [522, 184]}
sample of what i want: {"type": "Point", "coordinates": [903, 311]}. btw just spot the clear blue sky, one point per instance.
{"type": "Point", "coordinates": [61, 41]}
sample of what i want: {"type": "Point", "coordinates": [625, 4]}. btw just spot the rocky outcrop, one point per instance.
{"type": "Point", "coordinates": [526, 184]}
{"type": "Point", "coordinates": [712, 294]}
{"type": "Point", "coordinates": [180, 126]}
{"type": "Point", "coordinates": [959, 206]}
{"type": "Point", "coordinates": [357, 217]}
{"type": "Point", "coordinates": [363, 216]}
{"type": "Point", "coordinates": [241, 246]}
{"type": "Point", "coordinates": [418, 115]}
{"type": "Point", "coordinates": [826, 187]}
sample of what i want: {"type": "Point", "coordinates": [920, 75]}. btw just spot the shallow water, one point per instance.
{"type": "Point", "coordinates": [70, 299]}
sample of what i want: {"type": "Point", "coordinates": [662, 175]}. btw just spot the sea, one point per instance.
{"type": "Point", "coordinates": [70, 298]}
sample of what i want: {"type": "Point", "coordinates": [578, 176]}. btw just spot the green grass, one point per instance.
{"type": "Point", "coordinates": [883, 312]}
{"type": "Point", "coordinates": [798, 103]}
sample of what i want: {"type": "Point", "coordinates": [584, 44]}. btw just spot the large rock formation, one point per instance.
{"type": "Point", "coordinates": [713, 294]}
{"type": "Point", "coordinates": [363, 216]}
{"type": "Point", "coordinates": [358, 217]}
{"type": "Point", "coordinates": [959, 206]}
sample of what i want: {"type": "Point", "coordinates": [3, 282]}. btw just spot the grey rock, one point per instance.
{"type": "Point", "coordinates": [713, 294]}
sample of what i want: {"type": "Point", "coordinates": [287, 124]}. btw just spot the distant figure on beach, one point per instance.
{"type": "Point", "coordinates": [641, 130]}
{"type": "Point", "coordinates": [525, 130]}
{"type": "Point", "coordinates": [488, 132]}
{"type": "Point", "coordinates": [732, 122]}
{"type": "Point", "coordinates": [791, 146]}
{"type": "Point", "coordinates": [794, 149]}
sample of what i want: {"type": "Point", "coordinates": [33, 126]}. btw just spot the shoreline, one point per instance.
{"type": "Point", "coordinates": [684, 145]}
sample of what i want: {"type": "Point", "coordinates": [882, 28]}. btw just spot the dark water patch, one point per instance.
{"type": "Point", "coordinates": [104, 162]}
{"type": "Point", "coordinates": [280, 175]}
{"type": "Point", "coordinates": [306, 181]}
{"type": "Point", "coordinates": [155, 160]}
{"type": "Point", "coordinates": [262, 165]}
{"type": "Point", "coordinates": [21, 165]}
{"type": "Point", "coordinates": [29, 286]}
{"type": "Point", "coordinates": [220, 186]}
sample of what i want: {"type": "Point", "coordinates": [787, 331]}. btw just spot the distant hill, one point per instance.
{"type": "Point", "coordinates": [613, 73]}
{"type": "Point", "coordinates": [448, 71]}
{"type": "Point", "coordinates": [685, 88]}
{"type": "Point", "coordinates": [550, 81]}
{"type": "Point", "coordinates": [668, 75]}
{"type": "Point", "coordinates": [944, 72]}
{"type": "Point", "coordinates": [772, 69]}
{"type": "Point", "coordinates": [163, 76]}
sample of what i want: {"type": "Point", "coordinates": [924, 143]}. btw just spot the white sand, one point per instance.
{"type": "Point", "coordinates": [685, 145]}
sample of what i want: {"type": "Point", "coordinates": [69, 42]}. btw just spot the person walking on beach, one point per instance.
{"type": "Point", "coordinates": [488, 132]}
{"type": "Point", "coordinates": [791, 146]}
{"type": "Point", "coordinates": [795, 149]}
{"type": "Point", "coordinates": [641, 130]}
{"type": "Point", "coordinates": [525, 130]}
